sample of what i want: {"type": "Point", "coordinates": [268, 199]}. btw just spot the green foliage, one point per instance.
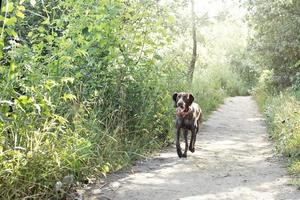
{"type": "Point", "coordinates": [86, 89]}
{"type": "Point", "coordinates": [283, 113]}
{"type": "Point", "coordinates": [211, 87]}
{"type": "Point", "coordinates": [83, 91]}
{"type": "Point", "coordinates": [274, 44]}
{"type": "Point", "coordinates": [273, 56]}
{"type": "Point", "coordinates": [245, 65]}
{"type": "Point", "coordinates": [281, 110]}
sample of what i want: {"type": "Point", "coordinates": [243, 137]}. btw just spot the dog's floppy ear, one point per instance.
{"type": "Point", "coordinates": [175, 97]}
{"type": "Point", "coordinates": [190, 98]}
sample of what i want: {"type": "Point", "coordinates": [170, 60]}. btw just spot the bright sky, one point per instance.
{"type": "Point", "coordinates": [213, 7]}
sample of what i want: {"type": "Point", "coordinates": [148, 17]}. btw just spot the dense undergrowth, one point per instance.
{"type": "Point", "coordinates": [282, 112]}
{"type": "Point", "coordinates": [282, 117]}
{"type": "Point", "coordinates": [271, 64]}
{"type": "Point", "coordinates": [86, 89]}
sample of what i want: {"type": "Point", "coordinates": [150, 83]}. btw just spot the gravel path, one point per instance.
{"type": "Point", "coordinates": [233, 160]}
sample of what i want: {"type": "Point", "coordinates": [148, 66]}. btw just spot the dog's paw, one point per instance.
{"type": "Point", "coordinates": [184, 155]}
{"type": "Point", "coordinates": [192, 149]}
{"type": "Point", "coordinates": [179, 153]}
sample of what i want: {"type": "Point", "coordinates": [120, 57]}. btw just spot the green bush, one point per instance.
{"type": "Point", "coordinates": [211, 86]}
{"type": "Point", "coordinates": [81, 96]}
{"type": "Point", "coordinates": [270, 64]}
{"type": "Point", "coordinates": [86, 89]}
{"type": "Point", "coordinates": [282, 112]}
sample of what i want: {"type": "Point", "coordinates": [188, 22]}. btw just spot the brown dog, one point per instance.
{"type": "Point", "coordinates": [188, 117]}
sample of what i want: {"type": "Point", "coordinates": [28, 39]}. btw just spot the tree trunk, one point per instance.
{"type": "Point", "coordinates": [194, 55]}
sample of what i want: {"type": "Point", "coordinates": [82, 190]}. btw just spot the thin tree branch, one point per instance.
{"type": "Point", "coordinates": [194, 55]}
{"type": "Point", "coordinates": [5, 16]}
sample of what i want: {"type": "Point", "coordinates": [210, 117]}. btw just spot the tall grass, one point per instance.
{"type": "Point", "coordinates": [212, 85]}
{"type": "Point", "coordinates": [84, 96]}
{"type": "Point", "coordinates": [282, 112]}
{"type": "Point", "coordinates": [86, 138]}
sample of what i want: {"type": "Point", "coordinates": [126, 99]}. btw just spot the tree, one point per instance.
{"type": "Point", "coordinates": [191, 68]}
{"type": "Point", "coordinates": [276, 39]}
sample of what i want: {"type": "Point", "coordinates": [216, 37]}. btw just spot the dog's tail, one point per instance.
{"type": "Point", "coordinates": [201, 117]}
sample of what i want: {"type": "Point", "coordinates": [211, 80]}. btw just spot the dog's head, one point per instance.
{"type": "Point", "coordinates": [183, 100]}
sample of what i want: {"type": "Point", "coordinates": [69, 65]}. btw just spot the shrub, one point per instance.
{"type": "Point", "coordinates": [282, 117]}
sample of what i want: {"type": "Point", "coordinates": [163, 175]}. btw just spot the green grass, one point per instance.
{"type": "Point", "coordinates": [83, 142]}
{"type": "Point", "coordinates": [211, 86]}
{"type": "Point", "coordinates": [282, 112]}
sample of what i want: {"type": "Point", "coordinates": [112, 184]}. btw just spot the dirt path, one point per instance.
{"type": "Point", "coordinates": [233, 160]}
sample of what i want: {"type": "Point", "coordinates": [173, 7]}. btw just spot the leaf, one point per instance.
{"type": "Point", "coordinates": [20, 14]}
{"type": "Point", "coordinates": [171, 19]}
{"type": "Point", "coordinates": [10, 21]}
{"type": "Point", "coordinates": [69, 96]}
{"type": "Point", "coordinates": [49, 84]}
{"type": "Point", "coordinates": [1, 49]}
{"type": "Point", "coordinates": [49, 38]}
{"type": "Point", "coordinates": [60, 119]}
{"type": "Point", "coordinates": [21, 8]}
{"type": "Point", "coordinates": [46, 22]}
{"type": "Point", "coordinates": [297, 64]}
{"type": "Point", "coordinates": [158, 57]}
{"type": "Point", "coordinates": [78, 75]}
{"type": "Point", "coordinates": [10, 7]}
{"type": "Point", "coordinates": [25, 100]}
{"type": "Point", "coordinates": [11, 71]}
{"type": "Point", "coordinates": [41, 29]}
{"type": "Point", "coordinates": [105, 168]}
{"type": "Point", "coordinates": [30, 34]}
{"type": "Point", "coordinates": [81, 52]}
{"type": "Point", "coordinates": [11, 32]}
{"type": "Point", "coordinates": [67, 80]}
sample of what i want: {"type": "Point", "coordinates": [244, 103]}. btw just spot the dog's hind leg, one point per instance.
{"type": "Point", "coordinates": [185, 134]}
{"type": "Point", "coordinates": [178, 148]}
{"type": "Point", "coordinates": [193, 140]}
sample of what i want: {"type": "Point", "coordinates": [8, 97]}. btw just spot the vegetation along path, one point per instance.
{"type": "Point", "coordinates": [234, 159]}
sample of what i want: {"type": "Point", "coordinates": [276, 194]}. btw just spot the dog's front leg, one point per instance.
{"type": "Point", "coordinates": [193, 140]}
{"type": "Point", "coordinates": [178, 148]}
{"type": "Point", "coordinates": [185, 134]}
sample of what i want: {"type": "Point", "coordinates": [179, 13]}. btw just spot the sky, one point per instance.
{"type": "Point", "coordinates": [213, 7]}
